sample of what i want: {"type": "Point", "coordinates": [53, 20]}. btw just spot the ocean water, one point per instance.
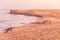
{"type": "Point", "coordinates": [10, 20]}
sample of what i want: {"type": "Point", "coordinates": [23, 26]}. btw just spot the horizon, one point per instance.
{"type": "Point", "coordinates": [29, 4]}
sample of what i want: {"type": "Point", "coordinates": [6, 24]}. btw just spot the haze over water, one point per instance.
{"type": "Point", "coordinates": [29, 4]}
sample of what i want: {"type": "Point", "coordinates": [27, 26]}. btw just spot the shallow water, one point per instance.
{"type": "Point", "coordinates": [10, 20]}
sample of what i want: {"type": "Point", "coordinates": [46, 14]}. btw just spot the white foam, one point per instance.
{"type": "Point", "coordinates": [10, 20]}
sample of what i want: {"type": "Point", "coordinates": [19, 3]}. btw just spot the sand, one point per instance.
{"type": "Point", "coordinates": [44, 28]}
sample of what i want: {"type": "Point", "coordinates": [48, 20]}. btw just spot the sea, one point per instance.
{"type": "Point", "coordinates": [11, 20]}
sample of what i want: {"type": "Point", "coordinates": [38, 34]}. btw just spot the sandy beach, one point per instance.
{"type": "Point", "coordinates": [46, 26]}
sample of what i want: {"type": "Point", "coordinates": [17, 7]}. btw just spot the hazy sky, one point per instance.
{"type": "Point", "coordinates": [29, 4]}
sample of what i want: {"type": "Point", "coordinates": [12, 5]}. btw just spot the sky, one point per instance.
{"type": "Point", "coordinates": [29, 4]}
